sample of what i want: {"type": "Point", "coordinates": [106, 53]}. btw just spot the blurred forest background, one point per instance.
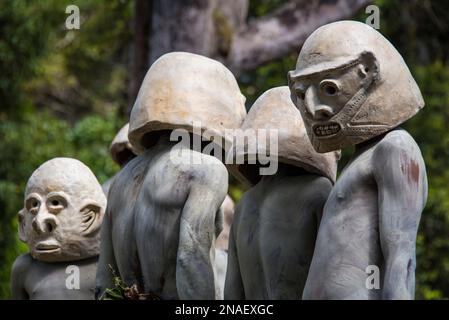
{"type": "Point", "coordinates": [66, 93]}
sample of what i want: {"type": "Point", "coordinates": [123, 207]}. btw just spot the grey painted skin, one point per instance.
{"type": "Point", "coordinates": [60, 222]}
{"type": "Point", "coordinates": [162, 240]}
{"type": "Point", "coordinates": [37, 280]}
{"type": "Point", "coordinates": [164, 217]}
{"type": "Point", "coordinates": [352, 87]}
{"type": "Point", "coordinates": [273, 235]}
{"type": "Point", "coordinates": [107, 185]}
{"type": "Point", "coordinates": [371, 218]}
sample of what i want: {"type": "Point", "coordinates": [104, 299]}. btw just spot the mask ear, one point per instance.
{"type": "Point", "coordinates": [369, 68]}
{"type": "Point", "coordinates": [338, 155]}
{"type": "Point", "coordinates": [243, 98]}
{"type": "Point", "coordinates": [92, 216]}
{"type": "Point", "coordinates": [291, 82]}
{"type": "Point", "coordinates": [22, 233]}
{"type": "Point", "coordinates": [289, 79]}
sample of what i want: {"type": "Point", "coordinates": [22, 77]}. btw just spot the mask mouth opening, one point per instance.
{"type": "Point", "coordinates": [326, 129]}
{"type": "Point", "coordinates": [46, 247]}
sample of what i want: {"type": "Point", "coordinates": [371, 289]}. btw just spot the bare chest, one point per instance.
{"type": "Point", "coordinates": [61, 281]}
{"type": "Point", "coordinates": [352, 205]}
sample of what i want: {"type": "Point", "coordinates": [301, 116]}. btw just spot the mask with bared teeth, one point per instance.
{"type": "Point", "coordinates": [350, 85]}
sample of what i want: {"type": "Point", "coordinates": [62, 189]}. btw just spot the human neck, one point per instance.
{"type": "Point", "coordinates": [161, 142]}
{"type": "Point", "coordinates": [285, 170]}
{"type": "Point", "coordinates": [361, 147]}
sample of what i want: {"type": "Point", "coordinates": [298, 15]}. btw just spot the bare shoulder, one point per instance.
{"type": "Point", "coordinates": [22, 264]}
{"type": "Point", "coordinates": [321, 187]}
{"type": "Point", "coordinates": [319, 182]}
{"type": "Point", "coordinates": [19, 273]}
{"type": "Point", "coordinates": [314, 187]}
{"type": "Point", "coordinates": [198, 167]}
{"type": "Point", "coordinates": [397, 157]}
{"type": "Point", "coordinates": [136, 167]}
{"type": "Point", "coordinates": [397, 142]}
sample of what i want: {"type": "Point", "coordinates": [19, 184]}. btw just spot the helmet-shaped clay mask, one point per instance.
{"type": "Point", "coordinates": [350, 85]}
{"type": "Point", "coordinates": [274, 110]}
{"type": "Point", "coordinates": [121, 150]}
{"type": "Point", "coordinates": [63, 210]}
{"type": "Point", "coordinates": [184, 90]}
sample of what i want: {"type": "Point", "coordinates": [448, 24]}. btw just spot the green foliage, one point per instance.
{"type": "Point", "coordinates": [90, 139]}
{"type": "Point", "coordinates": [51, 78]}
{"type": "Point", "coordinates": [23, 37]}
{"type": "Point", "coordinates": [418, 29]}
{"type": "Point", "coordinates": [85, 68]}
{"type": "Point", "coordinates": [117, 292]}
{"type": "Point", "coordinates": [258, 8]}
{"type": "Point", "coordinates": [70, 73]}
{"type": "Point", "coordinates": [429, 128]}
{"type": "Point", "coordinates": [38, 137]}
{"type": "Point", "coordinates": [274, 74]}
{"type": "Point", "coordinates": [48, 72]}
{"type": "Point", "coordinates": [120, 291]}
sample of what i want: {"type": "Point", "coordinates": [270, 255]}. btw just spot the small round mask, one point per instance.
{"type": "Point", "coordinates": [63, 210]}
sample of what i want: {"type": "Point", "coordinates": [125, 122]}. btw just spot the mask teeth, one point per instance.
{"type": "Point", "coordinates": [327, 129]}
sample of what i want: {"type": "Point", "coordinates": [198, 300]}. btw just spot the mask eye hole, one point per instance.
{"type": "Point", "coordinates": [32, 205]}
{"type": "Point", "coordinates": [329, 88]}
{"type": "Point", "coordinates": [300, 93]}
{"type": "Point", "coordinates": [56, 203]}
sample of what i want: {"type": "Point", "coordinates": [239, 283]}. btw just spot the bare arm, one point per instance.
{"type": "Point", "coordinates": [323, 189]}
{"type": "Point", "coordinates": [400, 174]}
{"type": "Point", "coordinates": [18, 275]}
{"type": "Point", "coordinates": [233, 285]}
{"type": "Point", "coordinates": [106, 261]}
{"type": "Point", "coordinates": [194, 271]}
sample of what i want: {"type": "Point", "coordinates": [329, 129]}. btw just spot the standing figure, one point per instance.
{"type": "Point", "coordinates": [121, 152]}
{"type": "Point", "coordinates": [276, 221]}
{"type": "Point", "coordinates": [352, 87]}
{"type": "Point", "coordinates": [161, 222]}
{"type": "Point", "coordinates": [222, 244]}
{"type": "Point", "coordinates": [63, 211]}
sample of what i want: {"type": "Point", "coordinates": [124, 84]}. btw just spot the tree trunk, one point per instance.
{"type": "Point", "coordinates": [218, 29]}
{"type": "Point", "coordinates": [140, 48]}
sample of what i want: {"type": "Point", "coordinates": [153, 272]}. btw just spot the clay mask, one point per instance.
{"type": "Point", "coordinates": [121, 150]}
{"type": "Point", "coordinates": [63, 210]}
{"type": "Point", "coordinates": [350, 84]}
{"type": "Point", "coordinates": [184, 90]}
{"type": "Point", "coordinates": [274, 110]}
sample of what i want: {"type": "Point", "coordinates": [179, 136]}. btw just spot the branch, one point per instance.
{"type": "Point", "coordinates": [285, 30]}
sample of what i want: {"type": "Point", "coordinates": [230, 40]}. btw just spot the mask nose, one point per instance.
{"type": "Point", "coordinates": [44, 222]}
{"type": "Point", "coordinates": [313, 106]}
